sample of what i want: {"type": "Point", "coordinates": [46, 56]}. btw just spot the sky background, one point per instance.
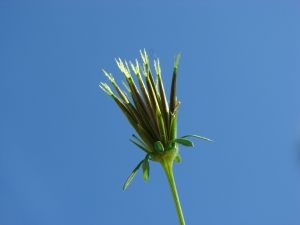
{"type": "Point", "coordinates": [64, 149]}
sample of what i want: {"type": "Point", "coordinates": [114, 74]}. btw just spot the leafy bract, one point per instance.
{"type": "Point", "coordinates": [177, 158]}
{"type": "Point", "coordinates": [183, 141]}
{"type": "Point", "coordinates": [129, 179]}
{"type": "Point", "coordinates": [146, 167]}
{"type": "Point", "coordinates": [159, 147]}
{"type": "Point", "coordinates": [196, 136]}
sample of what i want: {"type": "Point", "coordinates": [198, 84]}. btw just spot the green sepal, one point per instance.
{"type": "Point", "coordinates": [146, 167]}
{"type": "Point", "coordinates": [140, 141]}
{"type": "Point", "coordinates": [159, 147]}
{"type": "Point", "coordinates": [173, 96]}
{"type": "Point", "coordinates": [129, 179]}
{"type": "Point", "coordinates": [173, 125]}
{"type": "Point", "coordinates": [177, 158]}
{"type": "Point", "coordinates": [140, 146]}
{"type": "Point", "coordinates": [196, 136]}
{"type": "Point", "coordinates": [183, 141]}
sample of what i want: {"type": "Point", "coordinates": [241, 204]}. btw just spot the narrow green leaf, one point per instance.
{"type": "Point", "coordinates": [153, 85]}
{"type": "Point", "coordinates": [147, 121]}
{"type": "Point", "coordinates": [173, 95]}
{"type": "Point", "coordinates": [140, 141]}
{"type": "Point", "coordinates": [159, 147]}
{"type": "Point", "coordinates": [145, 136]}
{"type": "Point", "coordinates": [146, 167]}
{"type": "Point", "coordinates": [127, 88]}
{"type": "Point", "coordinates": [141, 132]}
{"type": "Point", "coordinates": [183, 141]}
{"type": "Point", "coordinates": [173, 126]}
{"type": "Point", "coordinates": [161, 127]}
{"type": "Point", "coordinates": [136, 97]}
{"type": "Point", "coordinates": [129, 179]}
{"type": "Point", "coordinates": [148, 106]}
{"type": "Point", "coordinates": [124, 108]}
{"type": "Point", "coordinates": [153, 99]}
{"type": "Point", "coordinates": [140, 146]}
{"type": "Point", "coordinates": [164, 102]}
{"type": "Point", "coordinates": [149, 126]}
{"type": "Point", "coordinates": [196, 136]}
{"type": "Point", "coordinates": [142, 119]}
{"type": "Point", "coordinates": [177, 158]}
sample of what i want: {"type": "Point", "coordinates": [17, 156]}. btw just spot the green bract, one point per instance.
{"type": "Point", "coordinates": [152, 117]}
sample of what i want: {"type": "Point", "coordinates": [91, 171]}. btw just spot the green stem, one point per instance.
{"type": "Point", "coordinates": [168, 168]}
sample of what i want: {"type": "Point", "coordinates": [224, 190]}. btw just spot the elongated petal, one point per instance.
{"type": "Point", "coordinates": [162, 129]}
{"type": "Point", "coordinates": [163, 98]}
{"type": "Point", "coordinates": [196, 136]}
{"type": "Point", "coordinates": [173, 126]}
{"type": "Point", "coordinates": [149, 117]}
{"type": "Point", "coordinates": [124, 109]}
{"type": "Point", "coordinates": [137, 99]}
{"type": "Point", "coordinates": [140, 146]}
{"type": "Point", "coordinates": [152, 91]}
{"type": "Point", "coordinates": [141, 118]}
{"type": "Point", "coordinates": [142, 133]}
{"type": "Point", "coordinates": [129, 179]}
{"type": "Point", "coordinates": [146, 137]}
{"type": "Point", "coordinates": [139, 140]}
{"type": "Point", "coordinates": [173, 98]}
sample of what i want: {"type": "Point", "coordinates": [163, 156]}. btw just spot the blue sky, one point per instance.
{"type": "Point", "coordinates": [64, 149]}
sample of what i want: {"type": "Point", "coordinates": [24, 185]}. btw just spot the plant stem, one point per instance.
{"type": "Point", "coordinates": [168, 168]}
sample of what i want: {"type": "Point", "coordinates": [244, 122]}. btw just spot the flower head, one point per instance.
{"type": "Point", "coordinates": [154, 120]}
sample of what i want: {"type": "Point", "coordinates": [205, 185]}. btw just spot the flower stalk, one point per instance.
{"type": "Point", "coordinates": [168, 168]}
{"type": "Point", "coordinates": [154, 120]}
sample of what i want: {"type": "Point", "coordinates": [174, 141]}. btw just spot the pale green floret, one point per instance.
{"type": "Point", "coordinates": [144, 70]}
{"type": "Point", "coordinates": [127, 88]}
{"type": "Point", "coordinates": [144, 57]}
{"type": "Point", "coordinates": [106, 88]}
{"type": "Point", "coordinates": [120, 92]}
{"type": "Point", "coordinates": [123, 68]}
{"type": "Point", "coordinates": [145, 60]}
{"type": "Point", "coordinates": [157, 68]}
{"type": "Point", "coordinates": [177, 60]}
{"type": "Point", "coordinates": [136, 69]}
{"type": "Point", "coordinates": [128, 70]}
{"type": "Point", "coordinates": [109, 76]}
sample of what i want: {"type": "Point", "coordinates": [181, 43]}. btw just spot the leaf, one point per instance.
{"type": "Point", "coordinates": [183, 141]}
{"type": "Point", "coordinates": [173, 125]}
{"type": "Point", "coordinates": [129, 179]}
{"type": "Point", "coordinates": [163, 101]}
{"type": "Point", "coordinates": [146, 167]}
{"type": "Point", "coordinates": [140, 146]}
{"type": "Point", "coordinates": [196, 136]}
{"type": "Point", "coordinates": [140, 141]}
{"type": "Point", "coordinates": [177, 158]}
{"type": "Point", "coordinates": [161, 127]}
{"type": "Point", "coordinates": [173, 95]}
{"type": "Point", "coordinates": [159, 147]}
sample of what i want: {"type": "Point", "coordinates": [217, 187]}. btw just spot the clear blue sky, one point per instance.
{"type": "Point", "coordinates": [64, 149]}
